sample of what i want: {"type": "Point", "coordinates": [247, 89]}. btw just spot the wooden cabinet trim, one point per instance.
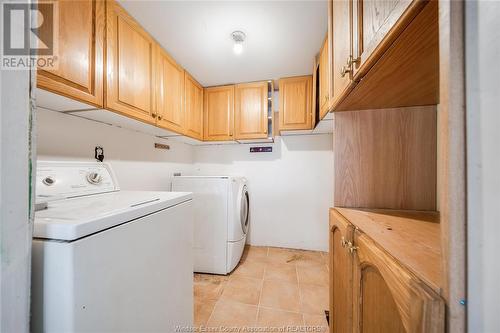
{"type": "Point", "coordinates": [344, 311]}
{"type": "Point", "coordinates": [324, 80]}
{"type": "Point", "coordinates": [93, 93]}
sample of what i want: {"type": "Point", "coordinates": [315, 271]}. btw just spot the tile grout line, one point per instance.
{"type": "Point", "coordinates": [300, 295]}
{"type": "Point", "coordinates": [262, 287]}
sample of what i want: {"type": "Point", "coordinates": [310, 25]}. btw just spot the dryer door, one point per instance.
{"type": "Point", "coordinates": [245, 210]}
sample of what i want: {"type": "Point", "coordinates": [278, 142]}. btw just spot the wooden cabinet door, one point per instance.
{"type": "Point", "coordinates": [295, 103]}
{"type": "Point", "coordinates": [376, 24]}
{"type": "Point", "coordinates": [193, 107]}
{"type": "Point", "coordinates": [170, 92]}
{"type": "Point", "coordinates": [218, 104]}
{"type": "Point", "coordinates": [341, 233]}
{"type": "Point", "coordinates": [388, 298]}
{"type": "Point", "coordinates": [324, 81]}
{"type": "Point", "coordinates": [250, 110]}
{"type": "Point", "coordinates": [130, 83]}
{"type": "Point", "coordinates": [78, 74]}
{"type": "Point", "coordinates": [342, 48]}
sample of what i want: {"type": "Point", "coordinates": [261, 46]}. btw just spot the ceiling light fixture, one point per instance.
{"type": "Point", "coordinates": [238, 38]}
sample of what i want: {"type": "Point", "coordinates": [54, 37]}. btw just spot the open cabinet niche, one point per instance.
{"type": "Point", "coordinates": [385, 239]}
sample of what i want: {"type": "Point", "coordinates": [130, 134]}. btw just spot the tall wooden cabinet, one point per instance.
{"type": "Point", "coordinates": [218, 104]}
{"type": "Point", "coordinates": [295, 112]}
{"type": "Point", "coordinates": [79, 72]}
{"type": "Point", "coordinates": [250, 110]}
{"type": "Point", "coordinates": [193, 104]}
{"type": "Point", "coordinates": [130, 79]}
{"type": "Point", "coordinates": [169, 107]}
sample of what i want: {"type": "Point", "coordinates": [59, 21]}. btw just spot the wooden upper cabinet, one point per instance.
{"type": "Point", "coordinates": [295, 111]}
{"type": "Point", "coordinates": [78, 74]}
{"type": "Point", "coordinates": [341, 234]}
{"type": "Point", "coordinates": [340, 18]}
{"type": "Point", "coordinates": [193, 107]}
{"type": "Point", "coordinates": [376, 24]}
{"type": "Point", "coordinates": [324, 80]}
{"type": "Point", "coordinates": [250, 110]}
{"type": "Point", "coordinates": [218, 104]}
{"type": "Point", "coordinates": [169, 107]}
{"type": "Point", "coordinates": [130, 83]}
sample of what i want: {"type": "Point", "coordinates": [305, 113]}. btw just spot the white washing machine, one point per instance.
{"type": "Point", "coordinates": [106, 260]}
{"type": "Point", "coordinates": [221, 220]}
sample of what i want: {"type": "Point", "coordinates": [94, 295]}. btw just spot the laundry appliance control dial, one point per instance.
{"type": "Point", "coordinates": [94, 178]}
{"type": "Point", "coordinates": [49, 181]}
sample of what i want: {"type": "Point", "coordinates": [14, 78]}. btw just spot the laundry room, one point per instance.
{"type": "Point", "coordinates": [302, 162]}
{"type": "Point", "coordinates": [241, 166]}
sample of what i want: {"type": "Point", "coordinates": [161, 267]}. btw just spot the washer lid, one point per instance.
{"type": "Point", "coordinates": [70, 219]}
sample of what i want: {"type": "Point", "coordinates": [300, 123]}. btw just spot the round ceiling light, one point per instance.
{"type": "Point", "coordinates": [238, 38]}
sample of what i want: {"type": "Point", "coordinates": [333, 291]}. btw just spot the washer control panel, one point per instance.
{"type": "Point", "coordinates": [70, 179]}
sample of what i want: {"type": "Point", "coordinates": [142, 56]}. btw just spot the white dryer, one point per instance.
{"type": "Point", "coordinates": [222, 216]}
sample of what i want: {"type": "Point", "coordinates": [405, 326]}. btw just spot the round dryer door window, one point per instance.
{"type": "Point", "coordinates": [245, 208]}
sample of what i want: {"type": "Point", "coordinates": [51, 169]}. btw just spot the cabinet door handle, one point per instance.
{"type": "Point", "coordinates": [343, 242]}
{"type": "Point", "coordinates": [351, 61]}
{"type": "Point", "coordinates": [344, 70]}
{"type": "Point", "coordinates": [352, 249]}
{"type": "Point", "coordinates": [159, 117]}
{"type": "Point", "coordinates": [153, 115]}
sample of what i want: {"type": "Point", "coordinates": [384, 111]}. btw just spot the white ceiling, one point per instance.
{"type": "Point", "coordinates": [282, 36]}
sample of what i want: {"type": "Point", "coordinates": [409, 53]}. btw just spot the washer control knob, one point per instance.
{"type": "Point", "coordinates": [94, 178]}
{"type": "Point", "coordinates": [49, 181]}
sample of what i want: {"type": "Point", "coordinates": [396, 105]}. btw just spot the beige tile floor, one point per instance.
{"type": "Point", "coordinates": [270, 289]}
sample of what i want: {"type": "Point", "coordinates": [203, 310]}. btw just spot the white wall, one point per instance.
{"type": "Point", "coordinates": [483, 164]}
{"type": "Point", "coordinates": [290, 189]}
{"type": "Point", "coordinates": [137, 164]}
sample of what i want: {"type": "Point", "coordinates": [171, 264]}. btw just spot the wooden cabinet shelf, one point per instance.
{"type": "Point", "coordinates": [389, 261]}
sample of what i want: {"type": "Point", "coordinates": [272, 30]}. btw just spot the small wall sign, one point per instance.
{"type": "Point", "coordinates": [267, 149]}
